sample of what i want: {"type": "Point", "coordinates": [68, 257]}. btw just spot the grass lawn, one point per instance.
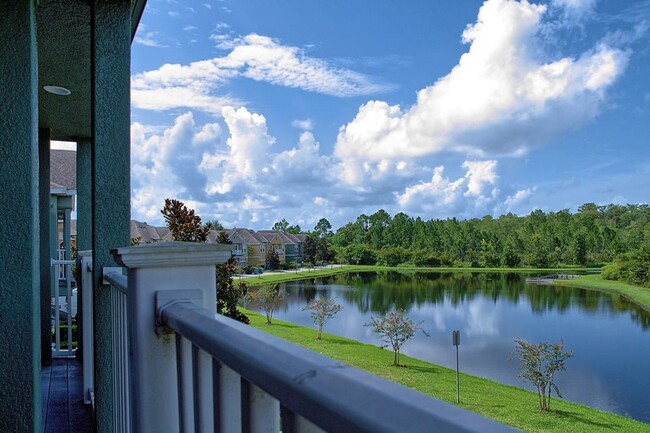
{"type": "Point", "coordinates": [638, 295]}
{"type": "Point", "coordinates": [318, 272]}
{"type": "Point", "coordinates": [507, 404]}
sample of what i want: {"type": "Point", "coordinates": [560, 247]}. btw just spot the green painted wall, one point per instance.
{"type": "Point", "coordinates": [20, 333]}
{"type": "Point", "coordinates": [110, 166]}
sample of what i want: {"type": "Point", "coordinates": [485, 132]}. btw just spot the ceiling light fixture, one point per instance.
{"type": "Point", "coordinates": [57, 90]}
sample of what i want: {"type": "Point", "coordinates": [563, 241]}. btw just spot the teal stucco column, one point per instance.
{"type": "Point", "coordinates": [110, 171]}
{"type": "Point", "coordinates": [84, 196]}
{"type": "Point", "coordinates": [20, 333]}
{"type": "Point", "coordinates": [84, 220]}
{"type": "Point", "coordinates": [45, 230]}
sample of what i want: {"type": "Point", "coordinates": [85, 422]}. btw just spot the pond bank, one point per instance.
{"type": "Point", "coordinates": [638, 295]}
{"type": "Point", "coordinates": [282, 276]}
{"type": "Point", "coordinates": [508, 404]}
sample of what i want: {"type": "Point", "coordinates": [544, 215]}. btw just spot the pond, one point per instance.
{"type": "Point", "coordinates": [609, 335]}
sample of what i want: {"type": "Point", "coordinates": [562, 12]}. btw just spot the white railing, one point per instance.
{"type": "Point", "coordinates": [60, 269]}
{"type": "Point", "coordinates": [85, 264]}
{"type": "Point", "coordinates": [194, 371]}
{"type": "Point", "coordinates": [63, 308]}
{"type": "Point", "coordinates": [117, 284]}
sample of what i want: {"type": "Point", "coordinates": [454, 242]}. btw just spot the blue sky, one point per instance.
{"type": "Point", "coordinates": [253, 111]}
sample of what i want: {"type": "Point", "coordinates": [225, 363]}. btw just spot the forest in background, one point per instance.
{"type": "Point", "coordinates": [592, 236]}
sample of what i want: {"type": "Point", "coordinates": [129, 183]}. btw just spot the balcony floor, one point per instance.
{"type": "Point", "coordinates": [63, 406]}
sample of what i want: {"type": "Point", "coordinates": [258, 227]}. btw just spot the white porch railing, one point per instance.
{"type": "Point", "coordinates": [85, 264]}
{"type": "Point", "coordinates": [117, 284]}
{"type": "Point", "coordinates": [190, 370]}
{"type": "Point", "coordinates": [64, 308]}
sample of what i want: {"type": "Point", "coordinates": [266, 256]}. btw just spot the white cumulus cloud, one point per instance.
{"type": "Point", "coordinates": [502, 98]}
{"type": "Point", "coordinates": [260, 58]}
{"type": "Point", "coordinates": [452, 195]}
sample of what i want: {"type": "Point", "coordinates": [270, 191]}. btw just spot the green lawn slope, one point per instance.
{"type": "Point", "coordinates": [636, 294]}
{"type": "Point", "coordinates": [508, 404]}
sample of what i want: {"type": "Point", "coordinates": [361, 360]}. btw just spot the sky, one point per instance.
{"type": "Point", "coordinates": [253, 111]}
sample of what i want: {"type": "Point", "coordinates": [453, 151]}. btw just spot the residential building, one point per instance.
{"type": "Point", "coordinates": [274, 242]}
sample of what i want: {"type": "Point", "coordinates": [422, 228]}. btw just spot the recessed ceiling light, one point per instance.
{"type": "Point", "coordinates": [57, 90]}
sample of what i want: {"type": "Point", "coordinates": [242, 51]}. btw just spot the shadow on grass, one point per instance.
{"type": "Point", "coordinates": [420, 369]}
{"type": "Point", "coordinates": [574, 417]}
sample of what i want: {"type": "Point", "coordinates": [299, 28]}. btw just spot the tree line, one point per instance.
{"type": "Point", "coordinates": [593, 235]}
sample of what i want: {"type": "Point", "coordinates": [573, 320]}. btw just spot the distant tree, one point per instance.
{"type": "Point", "coordinates": [538, 254]}
{"type": "Point", "coordinates": [183, 223]}
{"type": "Point", "coordinates": [309, 248]}
{"type": "Point", "coordinates": [295, 229]}
{"type": "Point", "coordinates": [222, 238]}
{"type": "Point", "coordinates": [539, 363]}
{"type": "Point", "coordinates": [580, 248]}
{"type": "Point", "coordinates": [323, 228]}
{"type": "Point", "coordinates": [269, 297]}
{"type": "Point", "coordinates": [632, 267]}
{"type": "Point", "coordinates": [322, 310]}
{"type": "Point", "coordinates": [510, 255]}
{"type": "Point", "coordinates": [324, 252]}
{"type": "Point", "coordinates": [215, 224]}
{"type": "Point", "coordinates": [281, 225]}
{"type": "Point", "coordinates": [359, 254]}
{"type": "Point", "coordinates": [272, 258]}
{"type": "Point", "coordinates": [394, 256]}
{"type": "Point", "coordinates": [395, 329]}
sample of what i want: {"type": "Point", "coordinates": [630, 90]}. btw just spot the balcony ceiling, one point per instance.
{"type": "Point", "coordinates": [63, 32]}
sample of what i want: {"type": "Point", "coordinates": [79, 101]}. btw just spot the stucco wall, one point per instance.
{"type": "Point", "coordinates": [20, 333]}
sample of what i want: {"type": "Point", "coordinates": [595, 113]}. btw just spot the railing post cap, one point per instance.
{"type": "Point", "coordinates": [172, 254]}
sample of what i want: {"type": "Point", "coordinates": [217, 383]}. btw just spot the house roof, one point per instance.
{"type": "Point", "coordinates": [63, 169]}
{"type": "Point", "coordinates": [294, 238]}
{"type": "Point", "coordinates": [259, 237]}
{"type": "Point", "coordinates": [270, 234]}
{"type": "Point", "coordinates": [248, 236]}
{"type": "Point", "coordinates": [148, 234]}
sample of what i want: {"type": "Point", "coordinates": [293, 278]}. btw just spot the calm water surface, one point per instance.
{"type": "Point", "coordinates": [609, 336]}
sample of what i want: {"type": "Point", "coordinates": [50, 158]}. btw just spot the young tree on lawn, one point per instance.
{"type": "Point", "coordinates": [269, 296]}
{"type": "Point", "coordinates": [183, 223]}
{"type": "Point", "coordinates": [539, 363]}
{"type": "Point", "coordinates": [322, 310]}
{"type": "Point", "coordinates": [395, 329]}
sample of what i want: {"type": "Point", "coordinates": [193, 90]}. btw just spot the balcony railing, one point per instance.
{"type": "Point", "coordinates": [191, 370]}
{"type": "Point", "coordinates": [63, 306]}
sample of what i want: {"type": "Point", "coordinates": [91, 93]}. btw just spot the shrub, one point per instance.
{"type": "Point", "coordinates": [539, 363]}
{"type": "Point", "coordinates": [270, 297]}
{"type": "Point", "coordinates": [632, 267]}
{"type": "Point", "coordinates": [322, 310]}
{"type": "Point", "coordinates": [395, 329]}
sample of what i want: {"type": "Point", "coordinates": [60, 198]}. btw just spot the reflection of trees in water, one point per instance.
{"type": "Point", "coordinates": [382, 291]}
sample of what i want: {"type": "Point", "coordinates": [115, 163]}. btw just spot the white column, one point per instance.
{"type": "Point", "coordinates": [155, 272]}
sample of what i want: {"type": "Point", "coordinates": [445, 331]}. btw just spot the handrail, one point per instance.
{"type": "Point", "coordinates": [332, 395]}
{"type": "Point", "coordinates": [115, 277]}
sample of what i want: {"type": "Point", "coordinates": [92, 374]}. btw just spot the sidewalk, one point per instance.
{"type": "Point", "coordinates": [290, 271]}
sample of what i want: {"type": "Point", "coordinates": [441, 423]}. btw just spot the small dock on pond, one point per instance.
{"type": "Point", "coordinates": [548, 279]}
